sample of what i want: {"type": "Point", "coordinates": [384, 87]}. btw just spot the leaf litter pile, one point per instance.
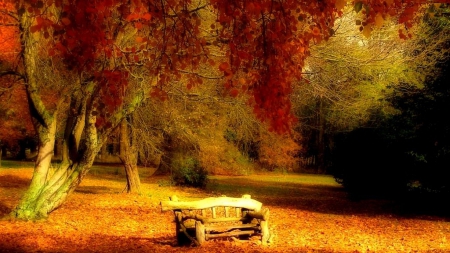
{"type": "Point", "coordinates": [308, 213]}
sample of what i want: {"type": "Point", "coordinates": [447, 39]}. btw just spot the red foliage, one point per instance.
{"type": "Point", "coordinates": [267, 41]}
{"type": "Point", "coordinates": [15, 120]}
{"type": "Point", "coordinates": [15, 123]}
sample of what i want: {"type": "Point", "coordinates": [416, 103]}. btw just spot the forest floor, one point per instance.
{"type": "Point", "coordinates": [308, 213]}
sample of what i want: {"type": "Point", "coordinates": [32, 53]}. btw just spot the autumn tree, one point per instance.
{"type": "Point", "coordinates": [85, 52]}
{"type": "Point", "coordinates": [84, 57]}
{"type": "Point", "coordinates": [349, 77]}
{"type": "Point", "coordinates": [15, 120]}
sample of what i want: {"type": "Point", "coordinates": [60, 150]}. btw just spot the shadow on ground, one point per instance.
{"type": "Point", "coordinates": [10, 181]}
{"type": "Point", "coordinates": [94, 190]}
{"type": "Point", "coordinates": [4, 210]}
{"type": "Point", "coordinates": [16, 243]}
{"type": "Point", "coordinates": [330, 199]}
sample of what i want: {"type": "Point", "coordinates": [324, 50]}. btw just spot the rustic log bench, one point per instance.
{"type": "Point", "coordinates": [210, 218]}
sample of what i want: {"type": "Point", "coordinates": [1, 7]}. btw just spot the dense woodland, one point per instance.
{"type": "Point", "coordinates": [356, 89]}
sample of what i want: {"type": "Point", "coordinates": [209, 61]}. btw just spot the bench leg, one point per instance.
{"type": "Point", "coordinates": [182, 239]}
{"type": "Point", "coordinates": [200, 232]}
{"type": "Point", "coordinates": [265, 227]}
{"type": "Point", "coordinates": [264, 232]}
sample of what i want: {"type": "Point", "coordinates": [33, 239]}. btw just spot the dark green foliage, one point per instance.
{"type": "Point", "coordinates": [408, 153]}
{"type": "Point", "coordinates": [412, 146]}
{"type": "Point", "coordinates": [248, 147]}
{"type": "Point", "coordinates": [187, 171]}
{"type": "Point", "coordinates": [230, 135]}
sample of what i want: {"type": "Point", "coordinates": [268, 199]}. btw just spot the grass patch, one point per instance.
{"type": "Point", "coordinates": [11, 164]}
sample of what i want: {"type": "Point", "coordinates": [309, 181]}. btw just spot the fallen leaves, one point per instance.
{"type": "Point", "coordinates": [307, 215]}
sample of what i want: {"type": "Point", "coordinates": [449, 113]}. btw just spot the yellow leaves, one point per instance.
{"type": "Point", "coordinates": [340, 4]}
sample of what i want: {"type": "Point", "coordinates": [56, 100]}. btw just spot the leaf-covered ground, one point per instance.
{"type": "Point", "coordinates": [307, 214]}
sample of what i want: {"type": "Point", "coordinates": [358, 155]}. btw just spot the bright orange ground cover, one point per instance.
{"type": "Point", "coordinates": [308, 214]}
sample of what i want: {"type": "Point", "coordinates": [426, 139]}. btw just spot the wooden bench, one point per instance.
{"type": "Point", "coordinates": [199, 221]}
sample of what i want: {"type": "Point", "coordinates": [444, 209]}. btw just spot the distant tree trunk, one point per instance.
{"type": "Point", "coordinates": [101, 156]}
{"type": "Point", "coordinates": [320, 138]}
{"type": "Point", "coordinates": [166, 157]}
{"type": "Point", "coordinates": [129, 156]}
{"type": "Point", "coordinates": [1, 153]}
{"type": "Point", "coordinates": [22, 150]}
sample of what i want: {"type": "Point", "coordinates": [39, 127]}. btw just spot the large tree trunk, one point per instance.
{"type": "Point", "coordinates": [128, 156]}
{"type": "Point", "coordinates": [50, 187]}
{"type": "Point", "coordinates": [74, 129]}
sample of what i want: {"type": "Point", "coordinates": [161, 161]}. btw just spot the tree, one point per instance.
{"type": "Point", "coordinates": [91, 60]}
{"type": "Point", "coordinates": [349, 77]}
{"type": "Point", "coordinates": [15, 118]}
{"type": "Point", "coordinates": [129, 157]}
{"type": "Point", "coordinates": [407, 151]}
{"type": "Point", "coordinates": [97, 68]}
{"type": "Point", "coordinates": [422, 130]}
{"type": "Point", "coordinates": [16, 121]}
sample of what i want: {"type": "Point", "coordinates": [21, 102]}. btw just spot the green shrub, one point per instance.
{"type": "Point", "coordinates": [187, 171]}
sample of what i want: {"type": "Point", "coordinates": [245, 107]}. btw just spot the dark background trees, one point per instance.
{"type": "Point", "coordinates": [406, 153]}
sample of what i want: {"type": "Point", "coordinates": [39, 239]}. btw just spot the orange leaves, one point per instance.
{"type": "Point", "coordinates": [35, 28]}
{"type": "Point", "coordinates": [376, 11]}
{"type": "Point", "coordinates": [132, 17]}
{"type": "Point", "coordinates": [65, 21]}
{"type": "Point", "coordinates": [316, 31]}
{"type": "Point", "coordinates": [138, 25]}
{"type": "Point", "coordinates": [140, 39]}
{"type": "Point", "coordinates": [367, 30]}
{"type": "Point", "coordinates": [100, 218]}
{"type": "Point", "coordinates": [147, 16]}
{"type": "Point", "coordinates": [41, 24]}
{"type": "Point", "coordinates": [234, 92]}
{"type": "Point", "coordinates": [379, 20]}
{"type": "Point", "coordinates": [158, 93]}
{"type": "Point", "coordinates": [224, 66]}
{"type": "Point", "coordinates": [135, 16]}
{"type": "Point", "coordinates": [340, 4]}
